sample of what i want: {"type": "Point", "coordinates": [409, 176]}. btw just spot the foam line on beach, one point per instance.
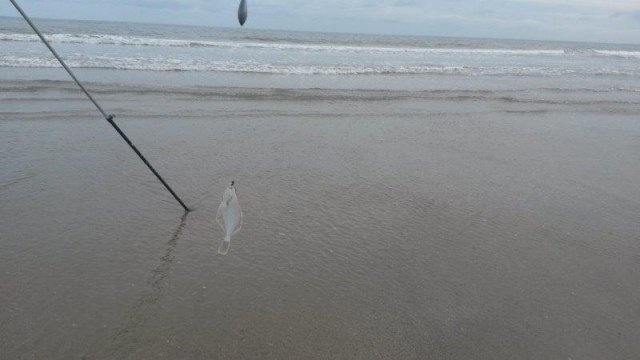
{"type": "Point", "coordinates": [110, 39]}
{"type": "Point", "coordinates": [239, 66]}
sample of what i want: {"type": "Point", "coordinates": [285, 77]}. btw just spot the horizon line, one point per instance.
{"type": "Point", "coordinates": [332, 32]}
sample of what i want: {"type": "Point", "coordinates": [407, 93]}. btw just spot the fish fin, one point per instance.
{"type": "Point", "coordinates": [239, 224]}
{"type": "Point", "coordinates": [223, 249]}
{"type": "Point", "coordinates": [219, 217]}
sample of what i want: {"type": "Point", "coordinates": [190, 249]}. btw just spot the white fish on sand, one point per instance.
{"type": "Point", "coordinates": [229, 217]}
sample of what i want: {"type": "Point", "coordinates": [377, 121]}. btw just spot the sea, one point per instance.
{"type": "Point", "coordinates": [242, 57]}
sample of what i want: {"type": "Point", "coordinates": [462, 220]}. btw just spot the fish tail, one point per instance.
{"type": "Point", "coordinates": [225, 244]}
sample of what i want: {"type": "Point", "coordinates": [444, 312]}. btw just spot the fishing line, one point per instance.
{"type": "Point", "coordinates": [109, 118]}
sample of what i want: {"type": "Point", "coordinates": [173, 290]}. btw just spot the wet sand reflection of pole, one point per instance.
{"type": "Point", "coordinates": [127, 338]}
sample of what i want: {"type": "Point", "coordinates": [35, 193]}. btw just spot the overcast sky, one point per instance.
{"type": "Point", "coordinates": [583, 20]}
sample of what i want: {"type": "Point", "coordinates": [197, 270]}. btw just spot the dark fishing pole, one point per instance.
{"type": "Point", "coordinates": [109, 118]}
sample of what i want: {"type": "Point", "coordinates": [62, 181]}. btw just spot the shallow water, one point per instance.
{"type": "Point", "coordinates": [376, 224]}
{"type": "Point", "coordinates": [228, 56]}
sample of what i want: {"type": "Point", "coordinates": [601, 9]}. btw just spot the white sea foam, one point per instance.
{"type": "Point", "coordinates": [272, 57]}
{"type": "Point", "coordinates": [595, 52]}
{"type": "Point", "coordinates": [106, 39]}
{"type": "Point", "coordinates": [169, 64]}
{"type": "Point", "coordinates": [147, 41]}
{"type": "Point", "coordinates": [622, 54]}
{"type": "Point", "coordinates": [161, 64]}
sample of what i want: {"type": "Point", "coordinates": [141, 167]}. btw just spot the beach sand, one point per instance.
{"type": "Point", "coordinates": [377, 224]}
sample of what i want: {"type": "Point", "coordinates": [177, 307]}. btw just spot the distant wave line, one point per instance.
{"type": "Point", "coordinates": [106, 39]}
{"type": "Point", "coordinates": [165, 64]}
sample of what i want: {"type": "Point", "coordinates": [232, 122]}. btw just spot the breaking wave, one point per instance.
{"type": "Point", "coordinates": [168, 64]}
{"type": "Point", "coordinates": [147, 41]}
{"type": "Point", "coordinates": [162, 64]}
{"type": "Point", "coordinates": [309, 47]}
{"type": "Point", "coordinates": [612, 53]}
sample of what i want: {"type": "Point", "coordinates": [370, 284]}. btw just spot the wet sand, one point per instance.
{"type": "Point", "coordinates": [378, 225]}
